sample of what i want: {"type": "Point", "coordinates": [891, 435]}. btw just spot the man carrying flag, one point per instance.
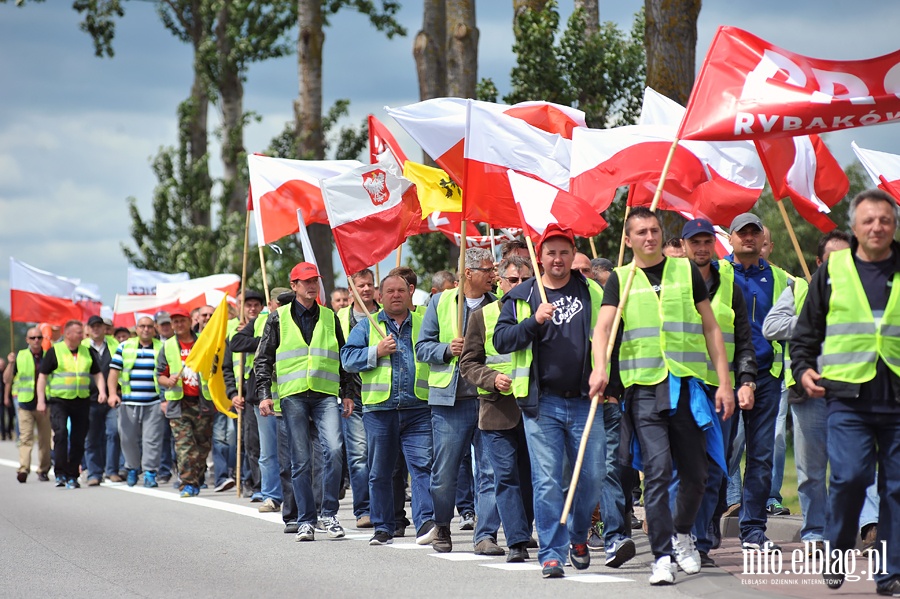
{"type": "Point", "coordinates": [186, 405]}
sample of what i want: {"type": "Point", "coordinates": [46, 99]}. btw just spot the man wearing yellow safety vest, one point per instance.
{"type": "Point", "coordinates": [299, 352]}
{"type": "Point", "coordinates": [808, 413]}
{"type": "Point", "coordinates": [761, 284]}
{"type": "Point", "coordinates": [669, 335]}
{"type": "Point", "coordinates": [352, 427]}
{"type": "Point", "coordinates": [141, 420]}
{"type": "Point", "coordinates": [186, 404]}
{"type": "Point", "coordinates": [846, 348]}
{"type": "Point", "coordinates": [64, 384]}
{"type": "Point", "coordinates": [20, 377]}
{"type": "Point", "coordinates": [395, 409]}
{"type": "Point", "coordinates": [499, 417]}
{"type": "Point", "coordinates": [550, 346]}
{"type": "Point", "coordinates": [102, 451]}
{"type": "Point", "coordinates": [454, 406]}
{"type": "Point", "coordinates": [728, 305]}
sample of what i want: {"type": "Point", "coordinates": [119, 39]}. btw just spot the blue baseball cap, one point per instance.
{"type": "Point", "coordinates": [697, 226]}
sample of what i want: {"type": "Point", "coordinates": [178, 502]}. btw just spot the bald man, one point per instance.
{"type": "Point", "coordinates": [20, 381]}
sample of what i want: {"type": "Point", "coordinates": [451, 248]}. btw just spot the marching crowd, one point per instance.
{"type": "Point", "coordinates": [478, 401]}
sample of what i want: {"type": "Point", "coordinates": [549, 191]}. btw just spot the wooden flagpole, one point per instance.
{"type": "Point", "coordinates": [595, 401]}
{"type": "Point", "coordinates": [593, 247]}
{"type": "Point", "coordinates": [790, 229]}
{"type": "Point", "coordinates": [240, 377]}
{"type": "Point", "coordinates": [493, 244]}
{"type": "Point", "coordinates": [460, 294]}
{"type": "Point", "coordinates": [262, 266]}
{"type": "Point", "coordinates": [627, 212]}
{"type": "Point", "coordinates": [537, 271]}
{"type": "Point", "coordinates": [399, 255]}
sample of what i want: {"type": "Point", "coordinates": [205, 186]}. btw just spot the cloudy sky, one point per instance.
{"type": "Point", "coordinates": [77, 132]}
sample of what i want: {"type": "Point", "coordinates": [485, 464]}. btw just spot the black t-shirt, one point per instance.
{"type": "Point", "coordinates": [654, 275]}
{"type": "Point", "coordinates": [563, 344]}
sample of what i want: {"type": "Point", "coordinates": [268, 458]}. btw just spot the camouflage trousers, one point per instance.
{"type": "Point", "coordinates": [192, 433]}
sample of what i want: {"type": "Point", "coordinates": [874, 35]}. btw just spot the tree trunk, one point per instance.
{"type": "Point", "coordinates": [429, 50]}
{"type": "Point", "coordinates": [197, 128]}
{"type": "Point", "coordinates": [462, 49]}
{"type": "Point", "coordinates": [670, 38]}
{"type": "Point", "coordinates": [231, 96]}
{"type": "Point", "coordinates": [308, 117]}
{"type": "Point", "coordinates": [591, 10]}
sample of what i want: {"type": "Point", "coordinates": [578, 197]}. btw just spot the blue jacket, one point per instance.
{"type": "Point", "coordinates": [358, 356]}
{"type": "Point", "coordinates": [757, 284]}
{"type": "Point", "coordinates": [430, 350]}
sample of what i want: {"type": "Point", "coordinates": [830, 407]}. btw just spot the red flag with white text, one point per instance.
{"type": "Point", "coordinates": [749, 88]}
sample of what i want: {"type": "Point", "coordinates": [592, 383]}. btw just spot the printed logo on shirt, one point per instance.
{"type": "Point", "coordinates": [566, 309]}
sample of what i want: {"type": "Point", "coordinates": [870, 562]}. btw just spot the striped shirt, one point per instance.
{"type": "Point", "coordinates": [143, 389]}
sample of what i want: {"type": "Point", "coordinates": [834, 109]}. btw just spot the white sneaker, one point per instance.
{"type": "Point", "coordinates": [306, 532]}
{"type": "Point", "coordinates": [333, 528]}
{"type": "Point", "coordinates": [686, 553]}
{"type": "Point", "coordinates": [662, 571]}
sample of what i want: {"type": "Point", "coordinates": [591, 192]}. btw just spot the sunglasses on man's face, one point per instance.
{"type": "Point", "coordinates": [516, 280]}
{"type": "Point", "coordinates": [35, 338]}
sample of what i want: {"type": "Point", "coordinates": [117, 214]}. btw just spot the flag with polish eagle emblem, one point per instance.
{"type": "Point", "coordinates": [372, 210]}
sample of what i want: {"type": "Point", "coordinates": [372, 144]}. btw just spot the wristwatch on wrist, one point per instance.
{"type": "Point", "coordinates": [750, 384]}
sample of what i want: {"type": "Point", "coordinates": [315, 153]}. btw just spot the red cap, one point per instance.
{"type": "Point", "coordinates": [304, 271]}
{"type": "Point", "coordinates": [555, 230]}
{"type": "Point", "coordinates": [179, 311]}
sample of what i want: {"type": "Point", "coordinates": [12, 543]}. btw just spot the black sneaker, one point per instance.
{"type": "Point", "coordinates": [291, 528]}
{"type": "Point", "coordinates": [381, 538]}
{"type": "Point", "coordinates": [60, 482]}
{"type": "Point", "coordinates": [890, 589]}
{"type": "Point", "coordinates": [517, 553]}
{"type": "Point", "coordinates": [706, 561]}
{"type": "Point", "coordinates": [595, 537]}
{"type": "Point", "coordinates": [776, 509]}
{"type": "Point", "coordinates": [620, 552]}
{"type": "Point", "coordinates": [42, 476]}
{"type": "Point", "coordinates": [426, 533]}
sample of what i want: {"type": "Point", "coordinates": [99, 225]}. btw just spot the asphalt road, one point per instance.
{"type": "Point", "coordinates": [116, 541]}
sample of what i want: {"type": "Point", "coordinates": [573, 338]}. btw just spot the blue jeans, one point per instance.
{"type": "Point", "coordinates": [612, 497]}
{"type": "Point", "coordinates": [223, 447]}
{"type": "Point", "coordinates": [508, 452]}
{"type": "Point", "coordinates": [780, 448]}
{"type": "Point", "coordinates": [735, 450]}
{"type": "Point", "coordinates": [810, 437]}
{"type": "Point", "coordinates": [102, 452]}
{"type": "Point", "coordinates": [552, 436]}
{"type": "Point", "coordinates": [386, 432]}
{"type": "Point", "coordinates": [455, 428]}
{"type": "Point", "coordinates": [856, 441]}
{"type": "Point", "coordinates": [297, 412]}
{"type": "Point", "coordinates": [357, 460]}
{"type": "Point", "coordinates": [869, 514]}
{"type": "Point", "coordinates": [269, 469]}
{"type": "Point", "coordinates": [285, 465]}
{"type": "Point", "coordinates": [759, 429]}
{"type": "Point", "coordinates": [465, 485]}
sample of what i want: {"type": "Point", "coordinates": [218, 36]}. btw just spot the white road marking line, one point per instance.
{"type": "Point", "coordinates": [461, 557]}
{"type": "Point", "coordinates": [597, 578]}
{"type": "Point", "coordinates": [514, 567]}
{"type": "Point", "coordinates": [396, 545]}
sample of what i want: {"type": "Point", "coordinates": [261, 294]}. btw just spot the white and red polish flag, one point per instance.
{"type": "Point", "coordinates": [189, 294]}
{"type": "Point", "coordinates": [803, 169]}
{"type": "Point", "coordinates": [439, 125]}
{"type": "Point", "coordinates": [723, 239]}
{"type": "Point", "coordinates": [496, 143]}
{"type": "Point", "coordinates": [733, 174]}
{"type": "Point", "coordinates": [40, 296]}
{"type": "Point", "coordinates": [143, 282]}
{"type": "Point", "coordinates": [381, 140]}
{"type": "Point", "coordinates": [449, 223]}
{"type": "Point", "coordinates": [539, 204]}
{"type": "Point", "coordinates": [372, 210]}
{"type": "Point", "coordinates": [279, 186]}
{"type": "Point", "coordinates": [883, 168]}
{"type": "Point", "coordinates": [749, 88]}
